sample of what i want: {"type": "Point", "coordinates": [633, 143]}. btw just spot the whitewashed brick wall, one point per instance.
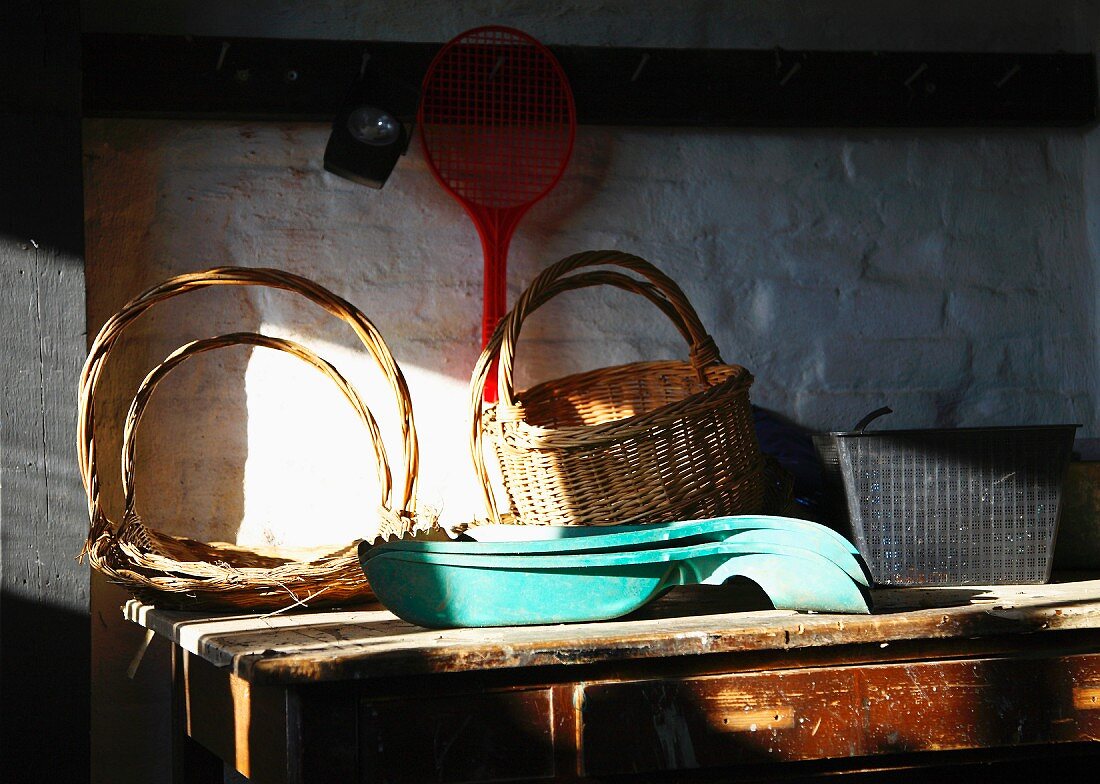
{"type": "Point", "coordinates": [836, 265]}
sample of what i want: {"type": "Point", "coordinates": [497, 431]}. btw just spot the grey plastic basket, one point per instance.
{"type": "Point", "coordinates": [965, 506]}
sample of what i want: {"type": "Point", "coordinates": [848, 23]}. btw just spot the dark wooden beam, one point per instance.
{"type": "Point", "coordinates": [282, 79]}
{"type": "Point", "coordinates": [44, 624]}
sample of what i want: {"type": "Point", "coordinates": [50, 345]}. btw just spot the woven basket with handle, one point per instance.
{"type": "Point", "coordinates": [638, 443]}
{"type": "Point", "coordinates": [175, 571]}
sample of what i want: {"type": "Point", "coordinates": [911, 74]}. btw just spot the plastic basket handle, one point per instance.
{"type": "Point", "coordinates": [562, 284]}
{"type": "Point", "coordinates": [233, 276]}
{"type": "Point", "coordinates": [157, 374]}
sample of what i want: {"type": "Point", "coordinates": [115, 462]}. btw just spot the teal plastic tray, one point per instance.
{"type": "Point", "coordinates": [524, 537]}
{"type": "Point", "coordinates": [446, 589]}
{"type": "Point", "coordinates": [530, 539]}
{"type": "Point", "coordinates": [810, 536]}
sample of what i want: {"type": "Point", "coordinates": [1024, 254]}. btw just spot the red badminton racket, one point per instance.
{"type": "Point", "coordinates": [497, 124]}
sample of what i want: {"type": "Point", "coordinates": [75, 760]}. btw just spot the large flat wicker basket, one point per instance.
{"type": "Point", "coordinates": [179, 572]}
{"type": "Point", "coordinates": [638, 443]}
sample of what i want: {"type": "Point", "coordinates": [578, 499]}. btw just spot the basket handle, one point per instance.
{"type": "Point", "coordinates": [481, 370]}
{"type": "Point", "coordinates": [703, 352]}
{"type": "Point", "coordinates": [233, 276]}
{"type": "Point", "coordinates": [195, 347]}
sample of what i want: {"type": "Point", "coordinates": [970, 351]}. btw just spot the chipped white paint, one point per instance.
{"type": "Point", "coordinates": [674, 736]}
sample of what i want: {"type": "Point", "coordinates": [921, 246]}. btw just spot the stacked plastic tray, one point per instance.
{"type": "Point", "coordinates": [516, 575]}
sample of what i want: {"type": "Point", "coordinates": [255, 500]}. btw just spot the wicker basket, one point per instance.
{"type": "Point", "coordinates": [643, 442]}
{"type": "Point", "coordinates": [179, 572]}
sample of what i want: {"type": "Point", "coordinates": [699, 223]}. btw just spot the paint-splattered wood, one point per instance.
{"type": "Point", "coordinates": [615, 727]}
{"type": "Point", "coordinates": [357, 644]}
{"type": "Point", "coordinates": [837, 712]}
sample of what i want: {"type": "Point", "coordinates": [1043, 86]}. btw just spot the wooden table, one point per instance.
{"type": "Point", "coordinates": [971, 680]}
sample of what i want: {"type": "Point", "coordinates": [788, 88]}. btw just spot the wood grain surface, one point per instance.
{"type": "Point", "coordinates": [366, 643]}
{"type": "Point", "coordinates": [44, 659]}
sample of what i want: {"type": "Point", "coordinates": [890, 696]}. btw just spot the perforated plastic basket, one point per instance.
{"type": "Point", "coordinates": [950, 507]}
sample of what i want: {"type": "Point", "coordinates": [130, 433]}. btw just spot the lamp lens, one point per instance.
{"type": "Point", "coordinates": [373, 126]}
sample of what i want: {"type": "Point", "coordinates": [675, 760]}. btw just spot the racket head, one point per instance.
{"type": "Point", "coordinates": [496, 118]}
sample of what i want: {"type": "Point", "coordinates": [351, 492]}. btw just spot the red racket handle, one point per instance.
{"type": "Point", "coordinates": [494, 249]}
{"type": "Point", "coordinates": [495, 301]}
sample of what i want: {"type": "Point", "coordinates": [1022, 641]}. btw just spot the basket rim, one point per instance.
{"type": "Point", "coordinates": [586, 435]}
{"type": "Point", "coordinates": [944, 430]}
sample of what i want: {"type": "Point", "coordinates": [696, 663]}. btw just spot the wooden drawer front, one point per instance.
{"type": "Point", "coordinates": [981, 703]}
{"type": "Point", "coordinates": [495, 736]}
{"type": "Point", "coordinates": [701, 722]}
{"type": "Point", "coordinates": [718, 720]}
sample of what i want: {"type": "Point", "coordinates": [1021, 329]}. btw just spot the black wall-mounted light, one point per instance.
{"type": "Point", "coordinates": [367, 138]}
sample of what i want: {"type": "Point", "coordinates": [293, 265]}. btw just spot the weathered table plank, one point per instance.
{"type": "Point", "coordinates": [704, 684]}
{"type": "Point", "coordinates": [367, 643]}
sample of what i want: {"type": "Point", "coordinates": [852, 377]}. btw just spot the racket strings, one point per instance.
{"type": "Point", "coordinates": [497, 119]}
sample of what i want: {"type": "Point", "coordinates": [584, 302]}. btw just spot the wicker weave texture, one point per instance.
{"type": "Point", "coordinates": [180, 572]}
{"type": "Point", "coordinates": [642, 442]}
